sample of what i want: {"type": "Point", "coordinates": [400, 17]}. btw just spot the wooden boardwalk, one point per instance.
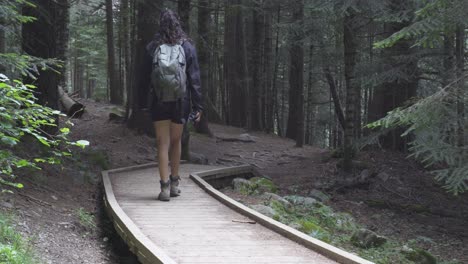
{"type": "Point", "coordinates": [201, 226]}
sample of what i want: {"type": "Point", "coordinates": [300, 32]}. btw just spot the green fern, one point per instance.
{"type": "Point", "coordinates": [435, 17]}
{"type": "Point", "coordinates": [432, 123]}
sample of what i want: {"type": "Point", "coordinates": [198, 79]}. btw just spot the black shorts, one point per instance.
{"type": "Point", "coordinates": [177, 112]}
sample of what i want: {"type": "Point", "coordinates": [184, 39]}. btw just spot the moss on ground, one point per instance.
{"type": "Point", "coordinates": [258, 186]}
{"type": "Point", "coordinates": [322, 222]}
{"type": "Point", "coordinates": [14, 249]}
{"type": "Point", "coordinates": [261, 185]}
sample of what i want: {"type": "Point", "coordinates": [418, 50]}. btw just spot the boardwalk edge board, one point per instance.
{"type": "Point", "coordinates": [321, 247]}
{"type": "Point", "coordinates": [146, 251]}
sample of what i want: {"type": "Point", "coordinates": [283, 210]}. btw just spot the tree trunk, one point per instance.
{"type": "Point", "coordinates": [204, 59]}
{"type": "Point", "coordinates": [146, 25]}
{"type": "Point", "coordinates": [309, 116]}
{"type": "Point", "coordinates": [2, 42]}
{"type": "Point", "coordinates": [268, 98]}
{"type": "Point", "coordinates": [448, 61]}
{"type": "Point", "coordinates": [256, 91]}
{"type": "Point", "coordinates": [336, 99]}
{"type": "Point", "coordinates": [275, 106]}
{"type": "Point", "coordinates": [235, 65]}
{"type": "Point", "coordinates": [114, 87]}
{"type": "Point", "coordinates": [295, 129]}
{"type": "Point", "coordinates": [183, 8]}
{"type": "Point", "coordinates": [125, 13]}
{"type": "Point", "coordinates": [184, 13]}
{"type": "Point", "coordinates": [460, 58]}
{"type": "Point", "coordinates": [79, 79]}
{"type": "Point", "coordinates": [215, 88]}
{"type": "Point", "coordinates": [350, 57]}
{"type": "Point", "coordinates": [47, 37]}
{"type": "Point", "coordinates": [282, 114]}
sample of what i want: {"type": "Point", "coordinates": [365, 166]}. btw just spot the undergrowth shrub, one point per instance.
{"type": "Point", "coordinates": [22, 117]}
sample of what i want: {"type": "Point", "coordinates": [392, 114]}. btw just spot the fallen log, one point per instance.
{"type": "Point", "coordinates": [73, 108]}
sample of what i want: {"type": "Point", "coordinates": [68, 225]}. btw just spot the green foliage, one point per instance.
{"type": "Point", "coordinates": [86, 219]}
{"type": "Point", "coordinates": [420, 256]}
{"type": "Point", "coordinates": [11, 19]}
{"type": "Point", "coordinates": [13, 248]}
{"type": "Point", "coordinates": [264, 185]}
{"type": "Point", "coordinates": [10, 11]}
{"type": "Point", "coordinates": [20, 117]}
{"type": "Point", "coordinates": [386, 254]}
{"type": "Point", "coordinates": [323, 223]}
{"type": "Point", "coordinates": [432, 123]}
{"type": "Point", "coordinates": [27, 65]}
{"type": "Point", "coordinates": [319, 221]}
{"type": "Point", "coordinates": [259, 185]}
{"type": "Point", "coordinates": [434, 17]}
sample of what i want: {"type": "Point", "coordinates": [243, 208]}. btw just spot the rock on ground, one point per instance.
{"type": "Point", "coordinates": [365, 238]}
{"type": "Point", "coordinates": [418, 256]}
{"type": "Point", "coordinates": [319, 195]}
{"type": "Point", "coordinates": [263, 209]}
{"type": "Point", "coordinates": [241, 184]}
{"type": "Point", "coordinates": [276, 197]}
{"type": "Point", "coordinates": [198, 158]}
{"type": "Point", "coordinates": [300, 200]}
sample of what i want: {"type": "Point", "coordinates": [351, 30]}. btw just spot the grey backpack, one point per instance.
{"type": "Point", "coordinates": [168, 76]}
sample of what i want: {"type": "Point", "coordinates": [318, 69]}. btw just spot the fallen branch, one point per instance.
{"type": "Point", "coordinates": [244, 222]}
{"type": "Point", "coordinates": [39, 201]}
{"type": "Point", "coordinates": [336, 99]}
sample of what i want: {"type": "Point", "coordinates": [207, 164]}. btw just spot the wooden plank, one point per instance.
{"type": "Point", "coordinates": [319, 246]}
{"type": "Point", "coordinates": [146, 251]}
{"type": "Point", "coordinates": [195, 228]}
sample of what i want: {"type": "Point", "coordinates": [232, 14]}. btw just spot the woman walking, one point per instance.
{"type": "Point", "coordinates": [175, 81]}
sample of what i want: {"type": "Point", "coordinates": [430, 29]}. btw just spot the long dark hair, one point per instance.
{"type": "Point", "coordinates": [170, 29]}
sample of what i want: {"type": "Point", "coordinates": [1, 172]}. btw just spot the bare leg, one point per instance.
{"type": "Point", "coordinates": [163, 129]}
{"type": "Point", "coordinates": [175, 148]}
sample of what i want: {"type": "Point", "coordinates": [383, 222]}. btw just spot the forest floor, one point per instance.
{"type": "Point", "coordinates": [60, 208]}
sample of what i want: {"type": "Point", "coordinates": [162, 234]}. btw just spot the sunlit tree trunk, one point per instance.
{"type": "Point", "coordinates": [113, 85]}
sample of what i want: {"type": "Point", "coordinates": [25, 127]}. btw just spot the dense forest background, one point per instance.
{"type": "Point", "coordinates": [317, 72]}
{"type": "Point", "coordinates": [356, 100]}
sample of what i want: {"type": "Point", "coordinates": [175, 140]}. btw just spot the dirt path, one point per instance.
{"type": "Point", "coordinates": [47, 207]}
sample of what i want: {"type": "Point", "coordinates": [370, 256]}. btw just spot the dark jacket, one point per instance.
{"type": "Point", "coordinates": [192, 69]}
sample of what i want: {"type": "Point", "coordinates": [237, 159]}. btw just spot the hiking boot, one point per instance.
{"type": "Point", "coordinates": [164, 195]}
{"type": "Point", "coordinates": [175, 191]}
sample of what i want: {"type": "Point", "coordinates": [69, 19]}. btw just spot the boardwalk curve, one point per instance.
{"type": "Point", "coordinates": [203, 225]}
